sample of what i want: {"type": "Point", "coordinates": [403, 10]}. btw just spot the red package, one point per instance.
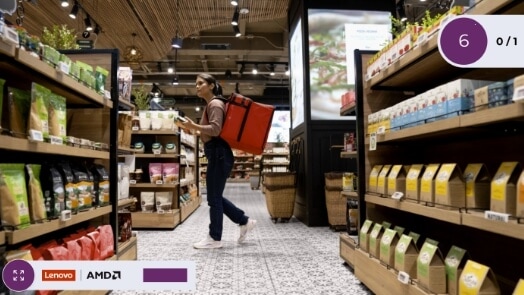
{"type": "Point", "coordinates": [87, 247]}
{"type": "Point", "coordinates": [95, 237]}
{"type": "Point", "coordinates": [75, 250]}
{"type": "Point", "coordinates": [35, 253]}
{"type": "Point", "coordinates": [107, 244]}
{"type": "Point", "coordinates": [56, 253]}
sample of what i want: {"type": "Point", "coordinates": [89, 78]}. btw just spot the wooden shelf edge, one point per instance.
{"type": "Point", "coordinates": [154, 220]}
{"type": "Point", "coordinates": [348, 155]}
{"type": "Point", "coordinates": [24, 145]}
{"type": "Point", "coordinates": [2, 237]}
{"type": "Point", "coordinates": [35, 230]}
{"type": "Point", "coordinates": [444, 125]}
{"type": "Point", "coordinates": [7, 48]}
{"type": "Point", "coordinates": [348, 110]}
{"type": "Point", "coordinates": [126, 202]}
{"type": "Point", "coordinates": [125, 245]}
{"type": "Point", "coordinates": [126, 103]}
{"type": "Point", "coordinates": [493, 115]}
{"type": "Point", "coordinates": [155, 132]}
{"type": "Point", "coordinates": [349, 194]}
{"type": "Point", "coordinates": [450, 216]}
{"type": "Point", "coordinates": [159, 156]}
{"type": "Point", "coordinates": [510, 229]}
{"type": "Point", "coordinates": [152, 185]}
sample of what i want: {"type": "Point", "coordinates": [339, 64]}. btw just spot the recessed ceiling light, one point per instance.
{"type": "Point", "coordinates": [244, 11]}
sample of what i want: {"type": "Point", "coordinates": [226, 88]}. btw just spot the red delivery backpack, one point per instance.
{"type": "Point", "coordinates": [246, 124]}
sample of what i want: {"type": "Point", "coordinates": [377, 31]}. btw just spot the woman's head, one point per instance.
{"type": "Point", "coordinates": [207, 86]}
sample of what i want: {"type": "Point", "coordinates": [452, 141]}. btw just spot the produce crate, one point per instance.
{"type": "Point", "coordinates": [280, 201]}
{"type": "Point", "coordinates": [336, 207]}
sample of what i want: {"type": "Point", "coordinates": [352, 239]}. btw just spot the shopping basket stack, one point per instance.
{"type": "Point", "coordinates": [280, 195]}
{"type": "Point", "coordinates": [335, 202]}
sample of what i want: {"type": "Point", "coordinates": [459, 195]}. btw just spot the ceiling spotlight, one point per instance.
{"type": "Point", "coordinates": [255, 69]}
{"type": "Point", "coordinates": [236, 29]}
{"type": "Point", "coordinates": [271, 69]}
{"type": "Point", "coordinates": [87, 22]}
{"type": "Point", "coordinates": [170, 69]}
{"type": "Point", "coordinates": [74, 11]}
{"type": "Point", "coordinates": [287, 71]}
{"type": "Point", "coordinates": [236, 16]}
{"type": "Point", "coordinates": [234, 2]}
{"type": "Point", "coordinates": [64, 3]}
{"type": "Point", "coordinates": [175, 80]}
{"type": "Point", "coordinates": [197, 109]}
{"type": "Point", "coordinates": [133, 51]}
{"type": "Point", "coordinates": [97, 29]}
{"type": "Point", "coordinates": [177, 42]}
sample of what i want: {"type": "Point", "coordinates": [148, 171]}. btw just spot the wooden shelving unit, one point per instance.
{"type": "Point", "coordinates": [153, 185]}
{"type": "Point", "coordinates": [157, 156]}
{"type": "Point", "coordinates": [348, 110]}
{"type": "Point", "coordinates": [477, 220]}
{"type": "Point", "coordinates": [155, 220]}
{"type": "Point", "coordinates": [348, 194]}
{"type": "Point", "coordinates": [187, 209]}
{"type": "Point", "coordinates": [348, 246]}
{"type": "Point", "coordinates": [2, 237]}
{"type": "Point", "coordinates": [348, 155]}
{"type": "Point", "coordinates": [126, 202]}
{"type": "Point", "coordinates": [128, 250]}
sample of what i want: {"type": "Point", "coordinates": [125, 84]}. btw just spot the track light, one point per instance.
{"type": "Point", "coordinates": [175, 80]}
{"type": "Point", "coordinates": [74, 11]}
{"type": "Point", "coordinates": [271, 69]}
{"type": "Point", "coordinates": [287, 71]}
{"type": "Point", "coordinates": [177, 42]}
{"type": "Point", "coordinates": [234, 2]}
{"type": "Point", "coordinates": [255, 69]}
{"type": "Point", "coordinates": [170, 69]}
{"type": "Point", "coordinates": [236, 16]}
{"type": "Point", "coordinates": [236, 29]}
{"type": "Point", "coordinates": [87, 22]}
{"type": "Point", "coordinates": [64, 3]}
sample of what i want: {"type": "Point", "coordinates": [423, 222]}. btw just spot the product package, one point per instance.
{"type": "Point", "coordinates": [382, 184]}
{"type": "Point", "coordinates": [83, 188]}
{"type": "Point", "coordinates": [478, 279]}
{"type": "Point", "coordinates": [155, 172]}
{"type": "Point", "coordinates": [101, 185]}
{"type": "Point", "coordinates": [413, 182]}
{"type": "Point", "coordinates": [38, 123]}
{"type": "Point", "coordinates": [37, 208]}
{"type": "Point", "coordinates": [147, 201]}
{"type": "Point", "coordinates": [406, 253]}
{"type": "Point", "coordinates": [503, 188]}
{"type": "Point", "coordinates": [455, 261]}
{"type": "Point", "coordinates": [100, 79]}
{"type": "Point", "coordinates": [13, 196]}
{"type": "Point", "coordinates": [375, 237]}
{"type": "Point", "coordinates": [427, 185]}
{"type": "Point", "coordinates": [450, 187]}
{"type": "Point", "coordinates": [477, 180]}
{"type": "Point", "coordinates": [170, 172]}
{"type": "Point", "coordinates": [388, 244]}
{"type": "Point", "coordinates": [373, 178]}
{"type": "Point", "coordinates": [18, 102]}
{"type": "Point", "coordinates": [53, 190]}
{"type": "Point", "coordinates": [57, 116]}
{"type": "Point", "coordinates": [68, 178]}
{"type": "Point", "coordinates": [431, 271]}
{"type": "Point", "coordinates": [364, 233]}
{"type": "Point", "coordinates": [164, 201]}
{"type": "Point", "coordinates": [397, 179]}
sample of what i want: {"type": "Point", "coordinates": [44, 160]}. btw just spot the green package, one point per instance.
{"type": "Point", "coordinates": [36, 200]}
{"type": "Point", "coordinates": [13, 196]}
{"type": "Point", "coordinates": [57, 116]}
{"type": "Point", "coordinates": [18, 111]}
{"type": "Point", "coordinates": [38, 116]}
{"type": "Point", "coordinates": [100, 79]}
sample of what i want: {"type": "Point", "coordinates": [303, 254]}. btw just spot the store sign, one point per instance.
{"type": "Point", "coordinates": [85, 44]}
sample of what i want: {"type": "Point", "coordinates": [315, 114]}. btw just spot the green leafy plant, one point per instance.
{"type": "Point", "coordinates": [397, 26]}
{"type": "Point", "coordinates": [428, 20]}
{"type": "Point", "coordinates": [60, 37]}
{"type": "Point", "coordinates": [141, 98]}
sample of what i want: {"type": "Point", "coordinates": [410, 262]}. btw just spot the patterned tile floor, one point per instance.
{"type": "Point", "coordinates": [282, 258]}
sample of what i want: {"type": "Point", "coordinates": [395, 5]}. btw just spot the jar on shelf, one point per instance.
{"type": "Point", "coordinates": [138, 175]}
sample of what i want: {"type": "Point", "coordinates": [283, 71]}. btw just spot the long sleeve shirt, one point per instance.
{"type": "Point", "coordinates": [212, 121]}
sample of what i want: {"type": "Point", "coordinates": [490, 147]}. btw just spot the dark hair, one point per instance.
{"type": "Point", "coordinates": [217, 90]}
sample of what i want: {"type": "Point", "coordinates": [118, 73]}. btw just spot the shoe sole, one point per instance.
{"type": "Point", "coordinates": [243, 238]}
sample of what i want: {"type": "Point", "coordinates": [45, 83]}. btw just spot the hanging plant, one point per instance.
{"type": "Point", "coordinates": [60, 37]}
{"type": "Point", "coordinates": [141, 98]}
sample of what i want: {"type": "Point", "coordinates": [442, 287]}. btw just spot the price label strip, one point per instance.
{"type": "Point", "coordinates": [483, 41]}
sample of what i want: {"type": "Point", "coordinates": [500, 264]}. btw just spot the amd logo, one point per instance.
{"type": "Point", "coordinates": [104, 275]}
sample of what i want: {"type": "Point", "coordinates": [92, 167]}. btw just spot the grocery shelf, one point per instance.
{"type": "Point", "coordinates": [153, 156]}
{"type": "Point", "coordinates": [126, 202]}
{"type": "Point", "coordinates": [348, 110]}
{"type": "Point", "coordinates": [380, 279]}
{"type": "Point", "coordinates": [24, 145]}
{"type": "Point", "coordinates": [153, 185]}
{"type": "Point", "coordinates": [477, 220]}
{"type": "Point", "coordinates": [75, 92]}
{"type": "Point", "coordinates": [451, 216]}
{"type": "Point", "coordinates": [275, 163]}
{"type": "Point", "coordinates": [348, 155]}
{"type": "Point", "coordinates": [154, 220]}
{"type": "Point", "coordinates": [514, 111]}
{"type": "Point", "coordinates": [122, 246]}
{"type": "Point", "coordinates": [126, 104]}
{"type": "Point", "coordinates": [188, 209]}
{"type": "Point", "coordinates": [443, 127]}
{"type": "Point", "coordinates": [189, 144]}
{"type": "Point", "coordinates": [128, 250]}
{"type": "Point", "coordinates": [348, 194]}
{"type": "Point", "coordinates": [275, 154]}
{"type": "Point", "coordinates": [155, 132]}
{"type": "Point", "coordinates": [35, 230]}
{"type": "Point", "coordinates": [2, 237]}
{"type": "Point", "coordinates": [122, 150]}
{"type": "Point", "coordinates": [7, 48]}
{"type": "Point", "coordinates": [348, 244]}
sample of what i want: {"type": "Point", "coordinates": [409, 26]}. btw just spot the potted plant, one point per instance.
{"type": "Point", "coordinates": [142, 104]}
{"type": "Point", "coordinates": [60, 37]}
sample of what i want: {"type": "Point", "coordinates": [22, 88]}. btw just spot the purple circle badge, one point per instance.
{"type": "Point", "coordinates": [463, 41]}
{"type": "Point", "coordinates": [18, 275]}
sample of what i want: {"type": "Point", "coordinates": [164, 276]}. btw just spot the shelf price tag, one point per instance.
{"type": "Point", "coordinates": [56, 140]}
{"type": "Point", "coordinates": [397, 196]}
{"type": "Point", "coordinates": [157, 152]}
{"type": "Point", "coordinates": [35, 135]}
{"type": "Point", "coordinates": [381, 130]}
{"type": "Point", "coordinates": [63, 68]}
{"type": "Point", "coordinates": [403, 277]}
{"type": "Point", "coordinates": [132, 181]}
{"type": "Point", "coordinates": [135, 128]}
{"type": "Point", "coordinates": [159, 182]}
{"type": "Point", "coordinates": [483, 41]}
{"type": "Point", "coordinates": [373, 142]}
{"type": "Point", "coordinates": [496, 216]}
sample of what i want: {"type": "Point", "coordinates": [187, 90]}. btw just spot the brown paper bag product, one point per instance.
{"type": "Point", "coordinates": [477, 181]}
{"type": "Point", "coordinates": [388, 244]}
{"type": "Point", "coordinates": [397, 179]}
{"type": "Point", "coordinates": [38, 124]}
{"type": "Point", "coordinates": [455, 261]}
{"type": "Point", "coordinates": [374, 238]}
{"type": "Point", "coordinates": [450, 187]}
{"type": "Point", "coordinates": [413, 182]}
{"type": "Point", "coordinates": [481, 98]}
{"type": "Point", "coordinates": [363, 238]}
{"type": "Point", "coordinates": [406, 254]}
{"type": "Point", "coordinates": [18, 102]}
{"type": "Point", "coordinates": [57, 116]}
{"type": "Point", "coordinates": [504, 188]}
{"type": "Point", "coordinates": [382, 183]}
{"type": "Point", "coordinates": [520, 196]}
{"type": "Point", "coordinates": [13, 196]}
{"type": "Point", "coordinates": [431, 272]}
{"type": "Point", "coordinates": [478, 279]}
{"type": "Point", "coordinates": [37, 209]}
{"type": "Point", "coordinates": [427, 184]}
{"type": "Point", "coordinates": [373, 178]}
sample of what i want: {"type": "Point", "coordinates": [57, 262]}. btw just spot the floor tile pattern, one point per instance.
{"type": "Point", "coordinates": [282, 258]}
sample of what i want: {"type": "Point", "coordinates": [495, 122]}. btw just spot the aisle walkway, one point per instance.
{"type": "Point", "coordinates": [282, 259]}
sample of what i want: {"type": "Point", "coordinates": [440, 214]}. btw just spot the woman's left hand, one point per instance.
{"type": "Point", "coordinates": [186, 125]}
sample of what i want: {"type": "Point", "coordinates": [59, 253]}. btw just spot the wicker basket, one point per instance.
{"type": "Point", "coordinates": [280, 201]}
{"type": "Point", "coordinates": [279, 179]}
{"type": "Point", "coordinates": [336, 207]}
{"type": "Point", "coordinates": [334, 180]}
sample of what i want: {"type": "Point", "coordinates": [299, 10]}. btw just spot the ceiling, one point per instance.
{"type": "Point", "coordinates": [209, 44]}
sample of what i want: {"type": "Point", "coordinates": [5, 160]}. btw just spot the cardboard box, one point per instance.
{"type": "Point", "coordinates": [427, 185]}
{"type": "Point", "coordinates": [481, 98]}
{"type": "Point", "coordinates": [461, 95]}
{"type": "Point", "coordinates": [450, 188]}
{"type": "Point", "coordinates": [520, 196]}
{"type": "Point", "coordinates": [455, 261]}
{"type": "Point", "coordinates": [478, 279]}
{"type": "Point", "coordinates": [382, 184]}
{"type": "Point", "coordinates": [413, 182]}
{"type": "Point", "coordinates": [388, 243]}
{"type": "Point", "coordinates": [373, 178]}
{"type": "Point", "coordinates": [406, 254]}
{"type": "Point", "coordinates": [431, 272]}
{"type": "Point", "coordinates": [503, 188]}
{"type": "Point", "coordinates": [397, 179]}
{"type": "Point", "coordinates": [363, 236]}
{"type": "Point", "coordinates": [375, 237]}
{"type": "Point", "coordinates": [477, 181]}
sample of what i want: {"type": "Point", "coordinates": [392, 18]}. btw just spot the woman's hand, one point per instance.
{"type": "Point", "coordinates": [187, 125]}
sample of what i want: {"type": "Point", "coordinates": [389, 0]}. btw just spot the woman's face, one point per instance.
{"type": "Point", "coordinates": [203, 88]}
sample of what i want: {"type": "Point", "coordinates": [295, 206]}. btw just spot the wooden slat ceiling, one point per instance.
{"type": "Point", "coordinates": [156, 22]}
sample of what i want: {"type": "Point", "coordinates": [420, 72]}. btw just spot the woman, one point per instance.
{"type": "Point", "coordinates": [220, 162]}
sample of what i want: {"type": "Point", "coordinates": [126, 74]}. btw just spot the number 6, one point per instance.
{"type": "Point", "coordinates": [463, 41]}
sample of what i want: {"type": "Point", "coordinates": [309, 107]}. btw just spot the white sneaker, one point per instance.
{"type": "Point", "coordinates": [244, 229]}
{"type": "Point", "coordinates": [208, 243]}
